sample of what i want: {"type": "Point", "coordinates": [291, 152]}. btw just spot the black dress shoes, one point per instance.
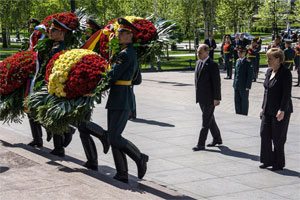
{"type": "Point", "coordinates": [35, 144]}
{"type": "Point", "coordinates": [58, 152]}
{"type": "Point", "coordinates": [264, 166]}
{"type": "Point", "coordinates": [275, 168]}
{"type": "Point", "coordinates": [198, 148]}
{"type": "Point", "coordinates": [214, 143]}
{"type": "Point", "coordinates": [123, 179]}
{"type": "Point", "coordinates": [88, 165]}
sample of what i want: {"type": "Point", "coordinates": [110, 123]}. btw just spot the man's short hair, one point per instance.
{"type": "Point", "coordinates": [205, 47]}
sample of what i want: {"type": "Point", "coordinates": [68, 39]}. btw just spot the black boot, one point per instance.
{"type": "Point", "coordinates": [58, 142]}
{"type": "Point", "coordinates": [121, 165]}
{"type": "Point", "coordinates": [90, 151]}
{"type": "Point", "coordinates": [100, 133]}
{"type": "Point", "coordinates": [49, 136]}
{"type": "Point", "coordinates": [68, 136]}
{"type": "Point", "coordinates": [140, 159]}
{"type": "Point", "coordinates": [36, 131]}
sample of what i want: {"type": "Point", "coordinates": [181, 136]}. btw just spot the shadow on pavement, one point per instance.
{"type": "Point", "coordinates": [3, 169]}
{"type": "Point", "coordinates": [170, 82]}
{"type": "Point", "coordinates": [228, 152]}
{"type": "Point", "coordinates": [104, 174]}
{"type": "Point", "coordinates": [152, 122]}
{"type": "Point", "coordinates": [288, 172]}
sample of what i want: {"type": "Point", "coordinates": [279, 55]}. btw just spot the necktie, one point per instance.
{"type": "Point", "coordinates": [199, 69]}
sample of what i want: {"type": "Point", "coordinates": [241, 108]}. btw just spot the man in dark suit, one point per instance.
{"type": "Point", "coordinates": [211, 43]}
{"type": "Point", "coordinates": [208, 95]}
{"type": "Point", "coordinates": [243, 41]}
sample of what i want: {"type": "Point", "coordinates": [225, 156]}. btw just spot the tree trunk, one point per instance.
{"type": "Point", "coordinates": [8, 37]}
{"type": "Point", "coordinates": [4, 38]}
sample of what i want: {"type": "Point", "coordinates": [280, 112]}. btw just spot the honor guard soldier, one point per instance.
{"type": "Point", "coordinates": [120, 102]}
{"type": "Point", "coordinates": [289, 54]}
{"type": "Point", "coordinates": [297, 60]}
{"type": "Point", "coordinates": [57, 35]}
{"type": "Point", "coordinates": [91, 28]}
{"type": "Point", "coordinates": [242, 82]}
{"type": "Point", "coordinates": [253, 52]}
{"type": "Point", "coordinates": [227, 53]}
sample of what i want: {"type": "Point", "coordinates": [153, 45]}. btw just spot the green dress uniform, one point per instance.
{"type": "Point", "coordinates": [289, 56]}
{"type": "Point", "coordinates": [253, 53]}
{"type": "Point", "coordinates": [297, 63]}
{"type": "Point", "coordinates": [119, 103]}
{"type": "Point", "coordinates": [242, 79]}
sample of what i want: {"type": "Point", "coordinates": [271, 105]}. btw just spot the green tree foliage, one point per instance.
{"type": "Point", "coordinates": [235, 13]}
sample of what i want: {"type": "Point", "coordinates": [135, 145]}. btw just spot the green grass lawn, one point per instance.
{"type": "Point", "coordinates": [183, 62]}
{"type": "Point", "coordinates": [4, 51]}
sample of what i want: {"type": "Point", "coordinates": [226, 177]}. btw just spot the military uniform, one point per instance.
{"type": "Point", "coordinates": [259, 42]}
{"type": "Point", "coordinates": [227, 53]}
{"type": "Point", "coordinates": [253, 53]}
{"type": "Point", "coordinates": [59, 141]}
{"type": "Point", "coordinates": [289, 56]}
{"type": "Point", "coordinates": [242, 79]}
{"type": "Point", "coordinates": [297, 62]}
{"type": "Point", "coordinates": [119, 103]}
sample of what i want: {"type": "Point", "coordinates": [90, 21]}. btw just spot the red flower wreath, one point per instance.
{"type": "Point", "coordinates": [85, 75]}
{"type": "Point", "coordinates": [15, 70]}
{"type": "Point", "coordinates": [51, 63]}
{"type": "Point", "coordinates": [68, 19]}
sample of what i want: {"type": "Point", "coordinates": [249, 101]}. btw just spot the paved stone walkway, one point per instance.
{"type": "Point", "coordinates": [167, 128]}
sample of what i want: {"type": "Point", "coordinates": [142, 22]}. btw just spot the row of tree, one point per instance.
{"type": "Point", "coordinates": [192, 15]}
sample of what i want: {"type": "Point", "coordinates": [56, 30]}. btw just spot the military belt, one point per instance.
{"type": "Point", "coordinates": [288, 61]}
{"type": "Point", "coordinates": [226, 51]}
{"type": "Point", "coordinates": [120, 82]}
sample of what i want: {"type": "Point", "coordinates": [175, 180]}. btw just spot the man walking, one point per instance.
{"type": "Point", "coordinates": [208, 95]}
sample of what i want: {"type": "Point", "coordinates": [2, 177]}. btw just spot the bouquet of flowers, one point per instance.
{"type": "Point", "coordinates": [15, 74]}
{"type": "Point", "coordinates": [75, 79]}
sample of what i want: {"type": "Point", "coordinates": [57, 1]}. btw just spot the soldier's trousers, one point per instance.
{"type": "Point", "coordinates": [228, 66]}
{"type": "Point", "coordinates": [117, 120]}
{"type": "Point", "coordinates": [116, 123]}
{"type": "Point", "coordinates": [273, 132]}
{"type": "Point", "coordinates": [255, 67]}
{"type": "Point", "coordinates": [241, 101]}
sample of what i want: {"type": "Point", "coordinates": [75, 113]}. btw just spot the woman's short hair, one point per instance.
{"type": "Point", "coordinates": [276, 53]}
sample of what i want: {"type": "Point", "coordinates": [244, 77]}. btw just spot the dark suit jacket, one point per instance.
{"type": "Point", "coordinates": [125, 69]}
{"type": "Point", "coordinates": [278, 92]}
{"type": "Point", "coordinates": [213, 43]}
{"type": "Point", "coordinates": [244, 42]}
{"type": "Point", "coordinates": [208, 83]}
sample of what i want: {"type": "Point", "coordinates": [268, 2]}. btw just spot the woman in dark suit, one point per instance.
{"type": "Point", "coordinates": [276, 111]}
